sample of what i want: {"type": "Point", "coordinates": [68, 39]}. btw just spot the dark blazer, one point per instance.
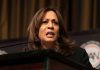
{"type": "Point", "coordinates": [81, 56]}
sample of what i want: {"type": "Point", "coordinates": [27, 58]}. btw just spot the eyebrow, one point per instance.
{"type": "Point", "coordinates": [51, 19]}
{"type": "Point", "coordinates": [54, 20]}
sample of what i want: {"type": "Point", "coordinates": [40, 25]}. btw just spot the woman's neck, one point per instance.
{"type": "Point", "coordinates": [48, 45]}
{"type": "Point", "coordinates": [52, 46]}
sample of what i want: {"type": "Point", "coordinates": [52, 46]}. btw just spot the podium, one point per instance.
{"type": "Point", "coordinates": [38, 60]}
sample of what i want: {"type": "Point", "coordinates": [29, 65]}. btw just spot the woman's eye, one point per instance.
{"type": "Point", "coordinates": [55, 22]}
{"type": "Point", "coordinates": [44, 21]}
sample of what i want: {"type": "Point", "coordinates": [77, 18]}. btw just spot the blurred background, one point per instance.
{"type": "Point", "coordinates": [78, 15]}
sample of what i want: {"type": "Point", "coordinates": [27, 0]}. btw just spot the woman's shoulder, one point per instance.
{"type": "Point", "coordinates": [81, 56]}
{"type": "Point", "coordinates": [79, 52]}
{"type": "Point", "coordinates": [79, 49]}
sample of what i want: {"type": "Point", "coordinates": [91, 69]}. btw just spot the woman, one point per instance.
{"type": "Point", "coordinates": [48, 31]}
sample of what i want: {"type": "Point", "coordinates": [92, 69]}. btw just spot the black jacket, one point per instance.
{"type": "Point", "coordinates": [81, 56]}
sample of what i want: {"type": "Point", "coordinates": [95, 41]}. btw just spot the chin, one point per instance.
{"type": "Point", "coordinates": [50, 40]}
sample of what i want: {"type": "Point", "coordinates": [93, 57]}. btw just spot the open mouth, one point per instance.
{"type": "Point", "coordinates": [50, 34]}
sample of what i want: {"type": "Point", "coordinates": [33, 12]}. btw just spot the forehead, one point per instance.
{"type": "Point", "coordinates": [50, 14]}
{"type": "Point", "coordinates": [50, 11]}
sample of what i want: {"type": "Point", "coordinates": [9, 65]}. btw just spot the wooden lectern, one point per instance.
{"type": "Point", "coordinates": [38, 60]}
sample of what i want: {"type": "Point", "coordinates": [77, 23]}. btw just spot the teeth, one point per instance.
{"type": "Point", "coordinates": [49, 33]}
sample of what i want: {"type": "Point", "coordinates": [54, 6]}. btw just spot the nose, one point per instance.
{"type": "Point", "coordinates": [50, 25]}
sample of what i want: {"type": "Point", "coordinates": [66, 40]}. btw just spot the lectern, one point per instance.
{"type": "Point", "coordinates": [38, 60]}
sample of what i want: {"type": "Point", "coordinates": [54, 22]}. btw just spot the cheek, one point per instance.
{"type": "Point", "coordinates": [41, 32]}
{"type": "Point", "coordinates": [57, 31]}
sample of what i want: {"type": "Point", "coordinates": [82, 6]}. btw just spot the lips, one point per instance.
{"type": "Point", "coordinates": [50, 34]}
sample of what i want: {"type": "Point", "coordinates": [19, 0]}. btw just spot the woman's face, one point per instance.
{"type": "Point", "coordinates": [49, 29]}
